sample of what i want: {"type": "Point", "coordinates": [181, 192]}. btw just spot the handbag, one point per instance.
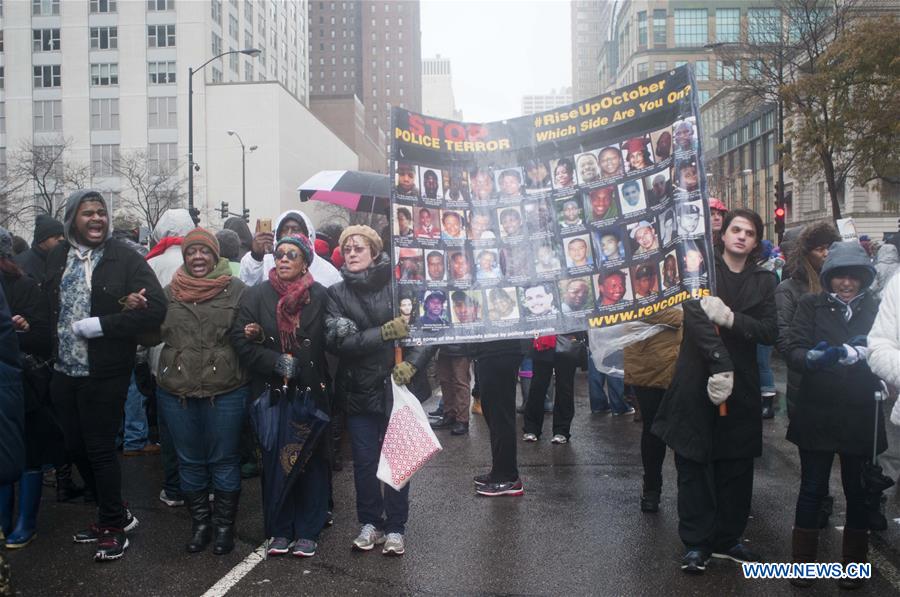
{"type": "Point", "coordinates": [409, 441]}
{"type": "Point", "coordinates": [571, 347]}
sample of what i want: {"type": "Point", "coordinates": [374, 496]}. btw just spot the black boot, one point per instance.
{"type": "Point", "coordinates": [201, 520]}
{"type": "Point", "coordinates": [768, 409]}
{"type": "Point", "coordinates": [804, 549]}
{"type": "Point", "coordinates": [855, 550]}
{"type": "Point", "coordinates": [650, 501]}
{"type": "Point", "coordinates": [66, 489]}
{"type": "Point", "coordinates": [224, 513]}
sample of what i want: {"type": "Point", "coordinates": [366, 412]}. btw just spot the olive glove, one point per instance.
{"type": "Point", "coordinates": [403, 373]}
{"type": "Point", "coordinates": [395, 329]}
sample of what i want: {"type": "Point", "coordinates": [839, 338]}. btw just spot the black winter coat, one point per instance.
{"type": "Point", "coordinates": [687, 420]}
{"type": "Point", "coordinates": [34, 263]}
{"type": "Point", "coordinates": [258, 305]}
{"type": "Point", "coordinates": [119, 272]}
{"type": "Point", "coordinates": [835, 407]}
{"type": "Point", "coordinates": [12, 412]}
{"type": "Point", "coordinates": [26, 299]}
{"type": "Point", "coordinates": [362, 382]}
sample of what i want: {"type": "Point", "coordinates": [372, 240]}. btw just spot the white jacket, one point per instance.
{"type": "Point", "coordinates": [884, 337]}
{"type": "Point", "coordinates": [253, 272]}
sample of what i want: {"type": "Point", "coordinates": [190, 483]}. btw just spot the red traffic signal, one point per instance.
{"type": "Point", "coordinates": [779, 212]}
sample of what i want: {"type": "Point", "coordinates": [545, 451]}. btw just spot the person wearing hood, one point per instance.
{"type": "Point", "coordinates": [835, 410]}
{"type": "Point", "coordinates": [48, 233]}
{"type": "Point", "coordinates": [256, 265]}
{"type": "Point", "coordinates": [102, 297]}
{"type": "Point", "coordinates": [239, 226]}
{"type": "Point", "coordinates": [887, 262]}
{"type": "Point", "coordinates": [360, 329]}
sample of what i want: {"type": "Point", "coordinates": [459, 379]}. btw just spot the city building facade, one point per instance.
{"type": "Point", "coordinates": [437, 89]}
{"type": "Point", "coordinates": [588, 18]}
{"type": "Point", "coordinates": [540, 102]}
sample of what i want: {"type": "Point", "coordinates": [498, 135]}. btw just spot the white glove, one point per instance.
{"type": "Point", "coordinates": [719, 386]}
{"type": "Point", "coordinates": [718, 312]}
{"type": "Point", "coordinates": [88, 328]}
{"type": "Point", "coordinates": [854, 354]}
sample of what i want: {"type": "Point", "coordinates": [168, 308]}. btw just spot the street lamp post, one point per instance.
{"type": "Point", "coordinates": [191, 165]}
{"type": "Point", "coordinates": [243, 169]}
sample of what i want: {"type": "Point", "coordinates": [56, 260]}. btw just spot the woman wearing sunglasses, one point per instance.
{"type": "Point", "coordinates": [202, 388]}
{"type": "Point", "coordinates": [280, 337]}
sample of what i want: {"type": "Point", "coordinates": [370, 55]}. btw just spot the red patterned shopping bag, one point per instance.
{"type": "Point", "coordinates": [409, 441]}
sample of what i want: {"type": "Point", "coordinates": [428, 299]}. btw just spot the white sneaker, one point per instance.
{"type": "Point", "coordinates": [368, 538]}
{"type": "Point", "coordinates": [559, 439]}
{"type": "Point", "coordinates": [393, 545]}
{"type": "Point", "coordinates": [529, 437]}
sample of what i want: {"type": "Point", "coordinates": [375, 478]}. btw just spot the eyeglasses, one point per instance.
{"type": "Point", "coordinates": [347, 249]}
{"type": "Point", "coordinates": [291, 254]}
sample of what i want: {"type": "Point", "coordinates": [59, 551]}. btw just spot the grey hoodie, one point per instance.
{"type": "Point", "coordinates": [887, 262]}
{"type": "Point", "coordinates": [72, 203]}
{"type": "Point", "coordinates": [174, 222]}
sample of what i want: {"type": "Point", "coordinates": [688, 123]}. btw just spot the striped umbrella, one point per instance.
{"type": "Point", "coordinates": [355, 190]}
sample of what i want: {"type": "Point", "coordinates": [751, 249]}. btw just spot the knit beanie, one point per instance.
{"type": "Point", "coordinates": [301, 241]}
{"type": "Point", "coordinates": [365, 232]}
{"type": "Point", "coordinates": [45, 227]}
{"type": "Point", "coordinates": [201, 236]}
{"type": "Point", "coordinates": [6, 243]}
{"type": "Point", "coordinates": [818, 235]}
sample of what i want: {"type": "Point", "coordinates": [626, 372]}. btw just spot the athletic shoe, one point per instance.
{"type": "Point", "coordinates": [630, 411]}
{"type": "Point", "coordinates": [93, 532]}
{"type": "Point", "coordinates": [304, 548]}
{"type": "Point", "coordinates": [529, 437]}
{"type": "Point", "coordinates": [368, 538]}
{"type": "Point", "coordinates": [480, 480]}
{"type": "Point", "coordinates": [694, 562]}
{"type": "Point", "coordinates": [171, 500]}
{"type": "Point", "coordinates": [278, 546]}
{"type": "Point", "coordinates": [737, 553]}
{"type": "Point", "coordinates": [511, 488]}
{"type": "Point", "coordinates": [393, 545]}
{"type": "Point", "coordinates": [111, 545]}
{"type": "Point", "coordinates": [559, 439]}
{"type": "Point", "coordinates": [329, 518]}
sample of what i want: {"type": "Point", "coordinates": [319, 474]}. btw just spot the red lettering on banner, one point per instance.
{"type": "Point", "coordinates": [416, 125]}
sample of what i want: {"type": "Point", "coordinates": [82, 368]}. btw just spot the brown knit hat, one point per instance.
{"type": "Point", "coordinates": [201, 236]}
{"type": "Point", "coordinates": [365, 232]}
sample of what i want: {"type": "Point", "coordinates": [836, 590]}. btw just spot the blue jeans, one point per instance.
{"type": "Point", "coordinates": [388, 510]}
{"type": "Point", "coordinates": [136, 428]}
{"type": "Point", "coordinates": [766, 377]}
{"type": "Point", "coordinates": [206, 433]}
{"type": "Point", "coordinates": [614, 385]}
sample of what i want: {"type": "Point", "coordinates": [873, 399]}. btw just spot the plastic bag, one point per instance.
{"type": "Point", "coordinates": [606, 344]}
{"type": "Point", "coordinates": [409, 441]}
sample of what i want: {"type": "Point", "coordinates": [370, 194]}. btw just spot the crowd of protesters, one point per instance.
{"type": "Point", "coordinates": [206, 321]}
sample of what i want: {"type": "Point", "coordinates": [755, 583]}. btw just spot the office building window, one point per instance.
{"type": "Point", "coordinates": [691, 27]}
{"type": "Point", "coordinates": [105, 114]}
{"type": "Point", "coordinates": [642, 28]}
{"type": "Point", "coordinates": [103, 6]}
{"type": "Point", "coordinates": [104, 38]}
{"type": "Point", "coordinates": [701, 70]}
{"type": "Point", "coordinates": [763, 25]}
{"type": "Point", "coordinates": [161, 73]}
{"type": "Point", "coordinates": [216, 11]}
{"type": "Point", "coordinates": [104, 160]}
{"type": "Point", "coordinates": [162, 113]}
{"type": "Point", "coordinates": [48, 116]}
{"type": "Point", "coordinates": [2, 118]}
{"type": "Point", "coordinates": [703, 96]}
{"type": "Point", "coordinates": [2, 77]}
{"type": "Point", "coordinates": [44, 7]}
{"type": "Point", "coordinates": [659, 27]}
{"type": "Point", "coordinates": [103, 75]}
{"type": "Point", "coordinates": [47, 76]}
{"type": "Point", "coordinates": [233, 61]}
{"type": "Point", "coordinates": [160, 36]}
{"type": "Point", "coordinates": [160, 5]}
{"type": "Point", "coordinates": [45, 40]}
{"type": "Point", "coordinates": [216, 75]}
{"type": "Point", "coordinates": [728, 71]}
{"type": "Point", "coordinates": [233, 26]}
{"type": "Point", "coordinates": [162, 157]}
{"type": "Point", "coordinates": [248, 71]}
{"type": "Point", "coordinates": [216, 45]}
{"type": "Point", "coordinates": [660, 67]}
{"type": "Point", "coordinates": [728, 25]}
{"type": "Point", "coordinates": [643, 70]}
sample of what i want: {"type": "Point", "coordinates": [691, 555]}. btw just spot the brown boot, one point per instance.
{"type": "Point", "coordinates": [804, 546]}
{"type": "Point", "coordinates": [856, 551]}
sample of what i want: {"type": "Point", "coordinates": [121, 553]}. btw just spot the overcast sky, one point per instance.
{"type": "Point", "coordinates": [499, 51]}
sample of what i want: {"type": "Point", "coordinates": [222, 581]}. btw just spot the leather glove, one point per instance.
{"type": "Point", "coordinates": [822, 356]}
{"type": "Point", "coordinates": [287, 366]}
{"type": "Point", "coordinates": [88, 328]}
{"type": "Point", "coordinates": [854, 354]}
{"type": "Point", "coordinates": [719, 386]}
{"type": "Point", "coordinates": [403, 373]}
{"type": "Point", "coordinates": [395, 329]}
{"type": "Point", "coordinates": [718, 312]}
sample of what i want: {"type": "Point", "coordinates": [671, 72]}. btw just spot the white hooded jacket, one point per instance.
{"type": "Point", "coordinates": [253, 272]}
{"type": "Point", "coordinates": [175, 222]}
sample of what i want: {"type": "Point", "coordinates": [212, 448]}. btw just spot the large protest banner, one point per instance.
{"type": "Point", "coordinates": [584, 216]}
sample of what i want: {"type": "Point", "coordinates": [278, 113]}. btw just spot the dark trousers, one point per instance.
{"type": "Point", "coordinates": [91, 412]}
{"type": "Point", "coordinates": [305, 508]}
{"type": "Point", "coordinates": [653, 449]}
{"type": "Point", "coordinates": [563, 402]}
{"type": "Point", "coordinates": [388, 510]}
{"type": "Point", "coordinates": [713, 502]}
{"type": "Point", "coordinates": [497, 377]}
{"type": "Point", "coordinates": [453, 373]}
{"type": "Point", "coordinates": [815, 472]}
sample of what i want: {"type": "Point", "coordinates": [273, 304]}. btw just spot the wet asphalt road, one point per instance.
{"type": "Point", "coordinates": [577, 531]}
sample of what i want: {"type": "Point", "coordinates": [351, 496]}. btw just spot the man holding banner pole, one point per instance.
{"type": "Point", "coordinates": [717, 362]}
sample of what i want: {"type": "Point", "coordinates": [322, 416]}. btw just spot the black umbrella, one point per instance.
{"type": "Point", "coordinates": [355, 190]}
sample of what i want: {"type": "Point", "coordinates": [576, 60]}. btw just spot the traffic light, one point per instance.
{"type": "Point", "coordinates": [778, 196]}
{"type": "Point", "coordinates": [246, 215]}
{"type": "Point", "coordinates": [223, 209]}
{"type": "Point", "coordinates": [779, 219]}
{"type": "Point", "coordinates": [195, 215]}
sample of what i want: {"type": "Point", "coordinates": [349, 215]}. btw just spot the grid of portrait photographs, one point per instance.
{"type": "Point", "coordinates": [546, 240]}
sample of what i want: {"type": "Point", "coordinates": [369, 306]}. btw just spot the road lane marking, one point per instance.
{"type": "Point", "coordinates": [235, 575]}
